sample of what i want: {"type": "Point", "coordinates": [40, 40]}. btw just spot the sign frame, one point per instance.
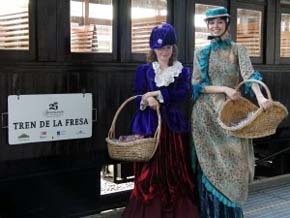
{"type": "Point", "coordinates": [49, 117]}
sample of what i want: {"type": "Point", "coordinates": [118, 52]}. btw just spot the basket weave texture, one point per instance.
{"type": "Point", "coordinates": [140, 150]}
{"type": "Point", "coordinates": [244, 119]}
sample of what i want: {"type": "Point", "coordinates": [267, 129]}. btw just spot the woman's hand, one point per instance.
{"type": "Point", "coordinates": [264, 102]}
{"type": "Point", "coordinates": [232, 93]}
{"type": "Point", "coordinates": [153, 94]}
{"type": "Point", "coordinates": [153, 103]}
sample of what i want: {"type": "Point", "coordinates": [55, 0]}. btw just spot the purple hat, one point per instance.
{"type": "Point", "coordinates": [162, 35]}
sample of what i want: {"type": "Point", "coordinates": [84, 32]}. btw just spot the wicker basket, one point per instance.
{"type": "Point", "coordinates": [140, 150]}
{"type": "Point", "coordinates": [244, 119]}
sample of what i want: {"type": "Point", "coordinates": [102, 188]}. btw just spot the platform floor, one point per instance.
{"type": "Point", "coordinates": [268, 198]}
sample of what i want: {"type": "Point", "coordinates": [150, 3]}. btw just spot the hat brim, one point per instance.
{"type": "Point", "coordinates": [160, 46]}
{"type": "Point", "coordinates": [216, 16]}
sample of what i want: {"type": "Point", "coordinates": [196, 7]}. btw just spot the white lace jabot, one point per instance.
{"type": "Point", "coordinates": [166, 76]}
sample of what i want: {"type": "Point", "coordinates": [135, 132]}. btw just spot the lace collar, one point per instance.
{"type": "Point", "coordinates": [166, 76]}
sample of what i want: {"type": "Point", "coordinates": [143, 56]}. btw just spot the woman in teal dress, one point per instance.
{"type": "Point", "coordinates": [225, 163]}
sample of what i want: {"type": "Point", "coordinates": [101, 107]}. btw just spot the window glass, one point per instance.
{"type": "Point", "coordinates": [145, 15]}
{"type": "Point", "coordinates": [91, 26]}
{"type": "Point", "coordinates": [249, 30]}
{"type": "Point", "coordinates": [201, 31]}
{"type": "Point", "coordinates": [285, 36]}
{"type": "Point", "coordinates": [285, 2]}
{"type": "Point", "coordinates": [14, 25]}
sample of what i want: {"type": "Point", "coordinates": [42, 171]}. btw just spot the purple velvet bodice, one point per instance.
{"type": "Point", "coordinates": [145, 122]}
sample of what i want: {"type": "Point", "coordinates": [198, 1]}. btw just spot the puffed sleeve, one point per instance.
{"type": "Point", "coordinates": [140, 84]}
{"type": "Point", "coordinates": [246, 68]}
{"type": "Point", "coordinates": [144, 121]}
{"type": "Point", "coordinates": [200, 77]}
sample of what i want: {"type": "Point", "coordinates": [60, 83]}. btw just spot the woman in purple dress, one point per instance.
{"type": "Point", "coordinates": [164, 186]}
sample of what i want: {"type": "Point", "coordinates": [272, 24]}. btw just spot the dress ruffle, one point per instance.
{"type": "Point", "coordinates": [167, 76]}
{"type": "Point", "coordinates": [213, 204]}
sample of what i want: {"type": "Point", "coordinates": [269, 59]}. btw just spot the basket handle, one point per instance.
{"type": "Point", "coordinates": [158, 129]}
{"type": "Point", "coordinates": [258, 82]}
{"type": "Point", "coordinates": [111, 132]}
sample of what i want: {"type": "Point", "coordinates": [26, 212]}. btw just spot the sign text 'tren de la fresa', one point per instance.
{"type": "Point", "coordinates": [50, 123]}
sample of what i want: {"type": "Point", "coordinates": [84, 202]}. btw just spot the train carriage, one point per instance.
{"type": "Point", "coordinates": [93, 47]}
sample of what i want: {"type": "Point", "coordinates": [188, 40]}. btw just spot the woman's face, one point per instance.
{"type": "Point", "coordinates": [164, 54]}
{"type": "Point", "coordinates": [216, 26]}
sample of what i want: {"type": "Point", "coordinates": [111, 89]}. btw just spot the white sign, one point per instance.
{"type": "Point", "coordinates": [39, 118]}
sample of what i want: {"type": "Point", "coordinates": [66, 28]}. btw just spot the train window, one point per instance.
{"type": "Point", "coordinates": [145, 15]}
{"type": "Point", "coordinates": [285, 35]}
{"type": "Point", "coordinates": [14, 25]}
{"type": "Point", "coordinates": [285, 2]}
{"type": "Point", "coordinates": [201, 31]}
{"type": "Point", "coordinates": [249, 30]}
{"type": "Point", "coordinates": [91, 26]}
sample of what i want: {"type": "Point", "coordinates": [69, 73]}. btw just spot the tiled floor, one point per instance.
{"type": "Point", "coordinates": [269, 198]}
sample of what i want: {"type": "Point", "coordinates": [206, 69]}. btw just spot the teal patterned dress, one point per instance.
{"type": "Point", "coordinates": [225, 162]}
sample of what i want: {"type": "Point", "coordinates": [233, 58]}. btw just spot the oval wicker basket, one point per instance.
{"type": "Point", "coordinates": [140, 150]}
{"type": "Point", "coordinates": [244, 119]}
